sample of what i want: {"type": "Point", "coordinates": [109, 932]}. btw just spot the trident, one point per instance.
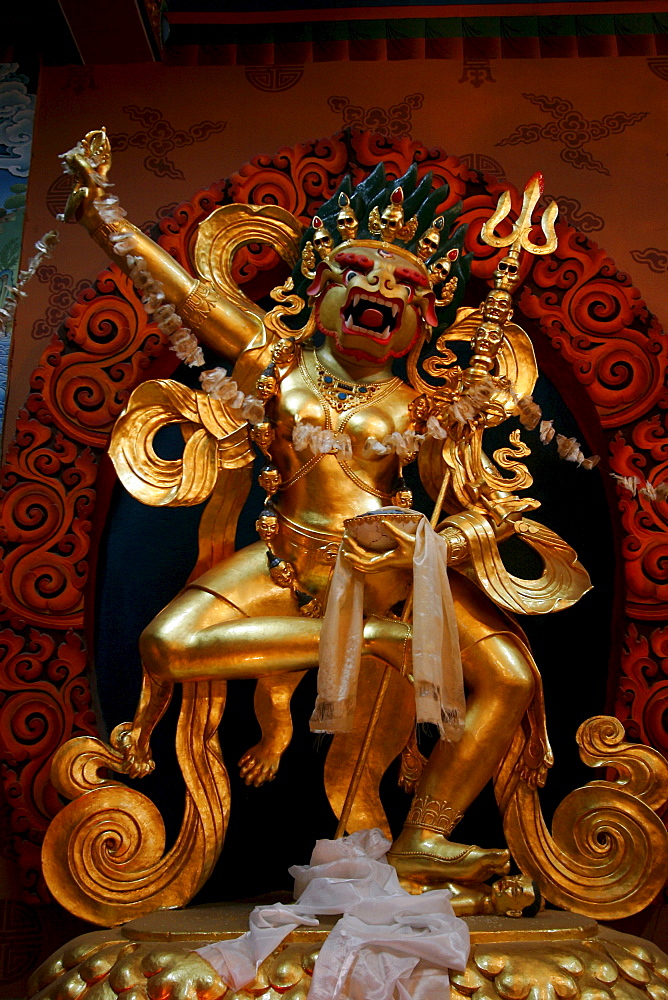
{"type": "Point", "coordinates": [519, 237]}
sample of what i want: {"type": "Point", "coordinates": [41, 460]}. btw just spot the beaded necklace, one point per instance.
{"type": "Point", "coordinates": [342, 395]}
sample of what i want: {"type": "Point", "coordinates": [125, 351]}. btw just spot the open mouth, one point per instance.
{"type": "Point", "coordinates": [371, 315]}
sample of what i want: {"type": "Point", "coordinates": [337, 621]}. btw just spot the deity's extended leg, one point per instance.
{"type": "Point", "coordinates": [135, 741]}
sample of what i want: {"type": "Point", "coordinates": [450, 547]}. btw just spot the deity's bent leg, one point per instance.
{"type": "Point", "coordinates": [232, 622]}
{"type": "Point", "coordinates": [236, 648]}
{"type": "Point", "coordinates": [500, 680]}
{"type": "Point", "coordinates": [238, 589]}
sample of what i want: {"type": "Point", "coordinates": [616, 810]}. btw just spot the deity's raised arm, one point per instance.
{"type": "Point", "coordinates": [220, 323]}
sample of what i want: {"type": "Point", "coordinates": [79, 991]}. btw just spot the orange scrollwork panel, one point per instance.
{"type": "Point", "coordinates": [80, 388]}
{"type": "Point", "coordinates": [642, 700]}
{"type": "Point", "coordinates": [179, 230]}
{"type": "Point", "coordinates": [298, 179]}
{"type": "Point", "coordinates": [597, 320]}
{"type": "Point", "coordinates": [645, 521]}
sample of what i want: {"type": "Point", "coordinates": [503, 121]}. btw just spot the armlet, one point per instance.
{"type": "Point", "coordinates": [563, 581]}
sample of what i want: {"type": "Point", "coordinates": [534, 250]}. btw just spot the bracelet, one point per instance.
{"type": "Point", "coordinates": [197, 305]}
{"type": "Point", "coordinates": [457, 543]}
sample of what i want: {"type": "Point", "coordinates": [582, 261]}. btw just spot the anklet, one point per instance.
{"type": "Point", "coordinates": [433, 814]}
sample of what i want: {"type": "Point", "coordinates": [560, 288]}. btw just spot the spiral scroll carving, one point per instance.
{"type": "Point", "coordinates": [597, 319]}
{"type": "Point", "coordinates": [643, 686]}
{"type": "Point", "coordinates": [589, 311]}
{"type": "Point", "coordinates": [645, 543]}
{"type": "Point", "coordinates": [607, 856]}
{"type": "Point", "coordinates": [81, 385]}
{"type": "Point", "coordinates": [103, 854]}
{"type": "Point", "coordinates": [298, 179]}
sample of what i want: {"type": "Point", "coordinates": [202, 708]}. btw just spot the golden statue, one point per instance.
{"type": "Point", "coordinates": [343, 555]}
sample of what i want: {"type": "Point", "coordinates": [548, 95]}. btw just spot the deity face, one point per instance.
{"type": "Point", "coordinates": [283, 351]}
{"type": "Point", "coordinates": [419, 409]}
{"type": "Point", "coordinates": [263, 435]}
{"type": "Point", "coordinates": [512, 894]}
{"type": "Point", "coordinates": [266, 387]}
{"type": "Point", "coordinates": [403, 498]}
{"type": "Point", "coordinates": [282, 573]}
{"type": "Point", "coordinates": [487, 339]}
{"type": "Point", "coordinates": [373, 302]}
{"type": "Point", "coordinates": [498, 307]}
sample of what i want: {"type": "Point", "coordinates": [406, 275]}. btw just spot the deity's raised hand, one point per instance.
{"type": "Point", "coordinates": [89, 163]}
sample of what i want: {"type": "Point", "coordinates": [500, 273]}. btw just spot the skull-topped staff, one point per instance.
{"type": "Point", "coordinates": [497, 306]}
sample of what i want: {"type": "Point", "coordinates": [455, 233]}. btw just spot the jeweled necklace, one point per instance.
{"type": "Point", "coordinates": [342, 394]}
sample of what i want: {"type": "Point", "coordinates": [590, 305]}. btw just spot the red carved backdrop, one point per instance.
{"type": "Point", "coordinates": [589, 311]}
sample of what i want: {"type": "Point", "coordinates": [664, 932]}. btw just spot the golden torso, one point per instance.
{"type": "Point", "coordinates": [330, 490]}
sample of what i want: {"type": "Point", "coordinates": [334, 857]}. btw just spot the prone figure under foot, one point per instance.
{"type": "Point", "coordinates": [512, 896]}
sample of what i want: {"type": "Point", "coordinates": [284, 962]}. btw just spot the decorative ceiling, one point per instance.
{"type": "Point", "coordinates": [263, 33]}
{"type": "Point", "coordinates": [272, 32]}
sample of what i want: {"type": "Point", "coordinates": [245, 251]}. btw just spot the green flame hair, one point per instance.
{"type": "Point", "coordinates": [420, 200]}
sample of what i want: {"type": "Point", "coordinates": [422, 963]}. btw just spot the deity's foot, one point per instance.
{"type": "Point", "coordinates": [272, 710]}
{"type": "Point", "coordinates": [428, 859]}
{"type": "Point", "coordinates": [134, 749]}
{"type": "Point", "coordinates": [260, 764]}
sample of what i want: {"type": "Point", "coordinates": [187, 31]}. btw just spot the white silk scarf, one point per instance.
{"type": "Point", "coordinates": [388, 944]}
{"type": "Point", "coordinates": [437, 665]}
